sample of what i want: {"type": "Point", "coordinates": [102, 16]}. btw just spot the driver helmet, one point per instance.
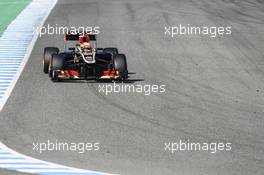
{"type": "Point", "coordinates": [85, 41]}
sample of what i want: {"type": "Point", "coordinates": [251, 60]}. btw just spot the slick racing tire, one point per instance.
{"type": "Point", "coordinates": [57, 63]}
{"type": "Point", "coordinates": [120, 65]}
{"type": "Point", "coordinates": [54, 76]}
{"type": "Point", "coordinates": [48, 51]}
{"type": "Point", "coordinates": [111, 50]}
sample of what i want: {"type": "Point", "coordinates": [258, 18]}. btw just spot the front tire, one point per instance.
{"type": "Point", "coordinates": [120, 65]}
{"type": "Point", "coordinates": [57, 63]}
{"type": "Point", "coordinates": [48, 52]}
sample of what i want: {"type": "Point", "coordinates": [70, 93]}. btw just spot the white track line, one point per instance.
{"type": "Point", "coordinates": [22, 163]}
{"type": "Point", "coordinates": [20, 33]}
{"type": "Point", "coordinates": [17, 42]}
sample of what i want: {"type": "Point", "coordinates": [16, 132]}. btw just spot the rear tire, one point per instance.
{"type": "Point", "coordinates": [112, 50]}
{"type": "Point", "coordinates": [120, 65]}
{"type": "Point", "coordinates": [48, 52]}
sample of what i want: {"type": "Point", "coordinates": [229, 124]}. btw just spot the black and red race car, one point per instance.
{"type": "Point", "coordinates": [84, 60]}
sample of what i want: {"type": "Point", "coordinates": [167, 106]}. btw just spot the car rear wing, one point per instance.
{"type": "Point", "coordinates": [75, 37]}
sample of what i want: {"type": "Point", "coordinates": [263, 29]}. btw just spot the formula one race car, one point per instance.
{"type": "Point", "coordinates": [84, 60]}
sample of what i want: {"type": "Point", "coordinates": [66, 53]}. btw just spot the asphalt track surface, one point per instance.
{"type": "Point", "coordinates": [214, 91]}
{"type": "Point", "coordinates": [11, 173]}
